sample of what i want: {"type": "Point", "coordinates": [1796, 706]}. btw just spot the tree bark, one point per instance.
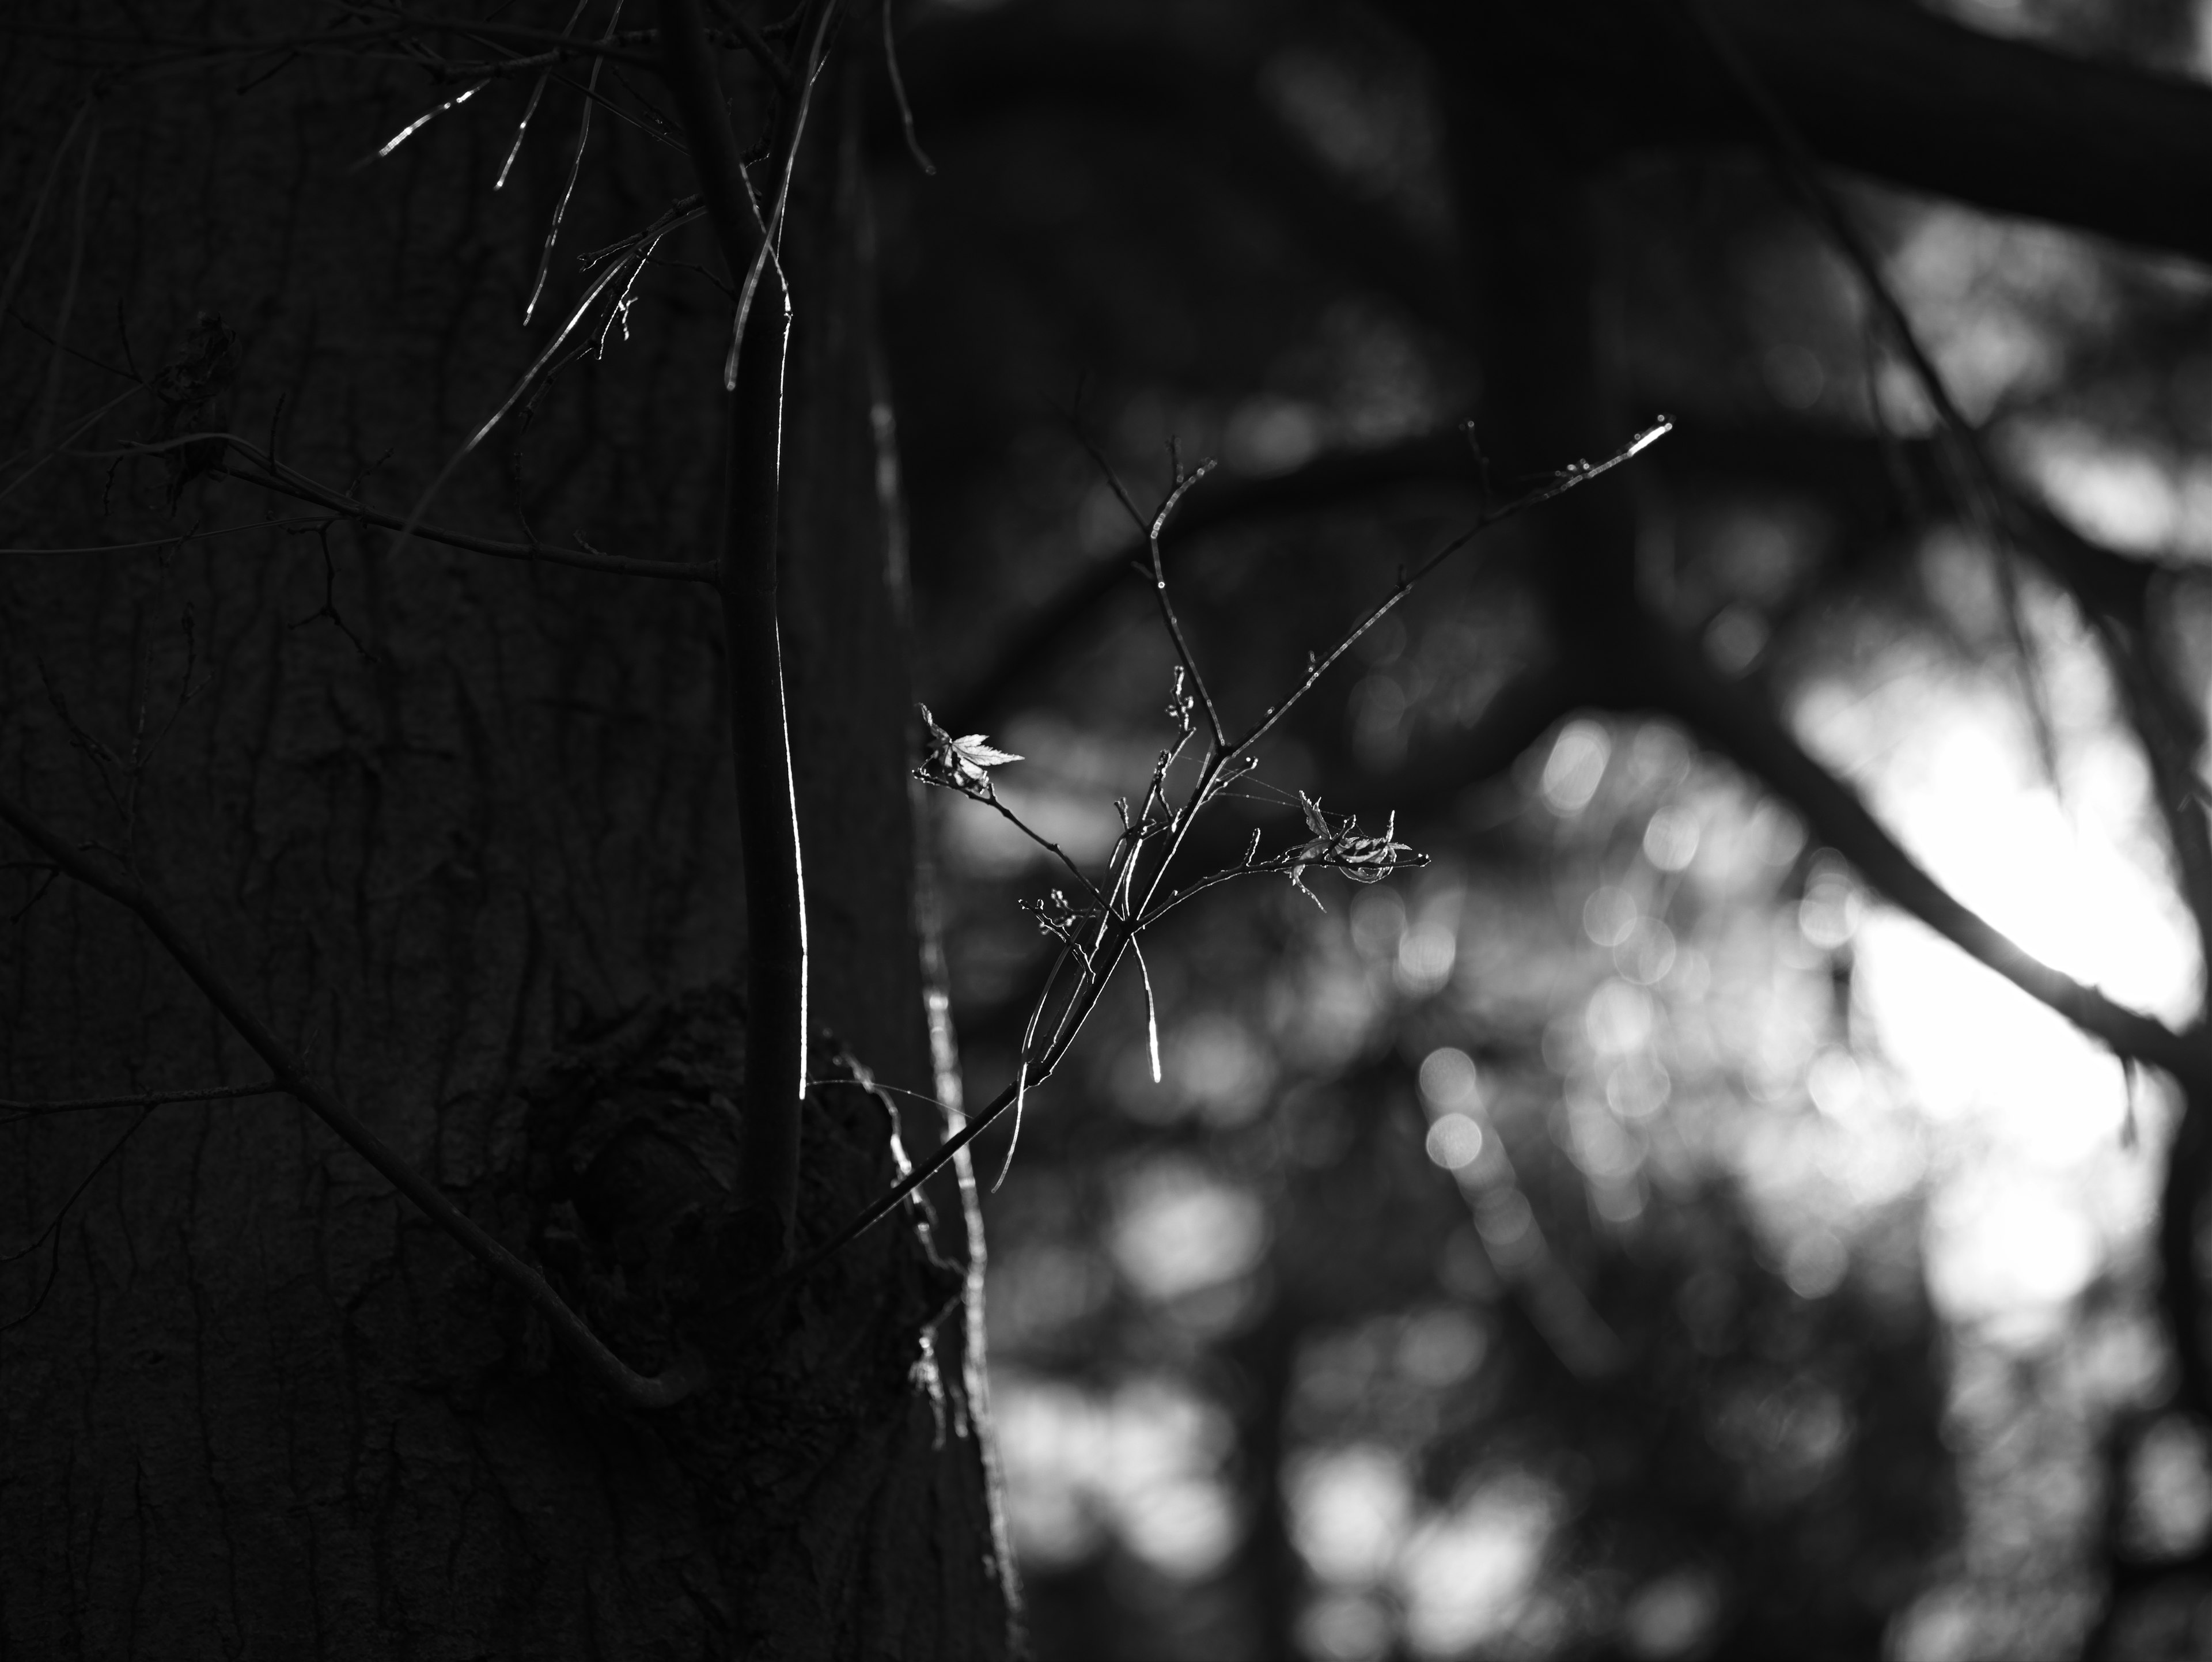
{"type": "Point", "coordinates": [466, 837]}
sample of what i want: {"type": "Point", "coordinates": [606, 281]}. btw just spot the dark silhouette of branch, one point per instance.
{"type": "Point", "coordinates": [1665, 673]}
{"type": "Point", "coordinates": [677, 1381]}
{"type": "Point", "coordinates": [267, 473]}
{"type": "Point", "coordinates": [144, 1099]}
{"type": "Point", "coordinates": [1009, 63]}
{"type": "Point", "coordinates": [1891, 90]}
{"type": "Point", "coordinates": [775, 894]}
{"type": "Point", "coordinates": [1517, 715]}
{"type": "Point", "coordinates": [1346, 476]}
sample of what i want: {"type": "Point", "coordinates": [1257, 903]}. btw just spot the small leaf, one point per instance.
{"type": "Point", "coordinates": [974, 749]}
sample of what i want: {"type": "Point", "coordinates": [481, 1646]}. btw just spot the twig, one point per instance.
{"type": "Point", "coordinates": [1154, 530]}
{"type": "Point", "coordinates": [1327, 479]}
{"type": "Point", "coordinates": [268, 474]}
{"type": "Point", "coordinates": [529, 108]}
{"type": "Point", "coordinates": [1980, 484]}
{"type": "Point", "coordinates": [682, 1377]}
{"type": "Point", "coordinates": [422, 121]}
{"type": "Point", "coordinates": [142, 1100]}
{"type": "Point", "coordinates": [898, 91]}
{"type": "Point", "coordinates": [775, 893]}
{"type": "Point", "coordinates": [1118, 924]}
{"type": "Point", "coordinates": [568, 189]}
{"type": "Point", "coordinates": [638, 247]}
{"type": "Point", "coordinates": [1557, 486]}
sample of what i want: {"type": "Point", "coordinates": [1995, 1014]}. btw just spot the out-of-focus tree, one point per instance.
{"type": "Point", "coordinates": [1636, 1235]}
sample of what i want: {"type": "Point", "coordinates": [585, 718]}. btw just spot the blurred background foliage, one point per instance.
{"type": "Point", "coordinates": [1627, 1238]}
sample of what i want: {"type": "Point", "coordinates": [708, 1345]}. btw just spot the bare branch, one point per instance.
{"type": "Point", "coordinates": [776, 890]}
{"type": "Point", "coordinates": [1328, 480]}
{"type": "Point", "coordinates": [1671, 675]}
{"type": "Point", "coordinates": [678, 1381]}
{"type": "Point", "coordinates": [1576, 476]}
{"type": "Point", "coordinates": [269, 474]}
{"type": "Point", "coordinates": [142, 1100]}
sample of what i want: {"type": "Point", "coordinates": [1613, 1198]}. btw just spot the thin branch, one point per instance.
{"type": "Point", "coordinates": [568, 188]}
{"type": "Point", "coordinates": [174, 539]}
{"type": "Point", "coordinates": [640, 247]}
{"type": "Point", "coordinates": [142, 1099]}
{"type": "Point", "coordinates": [529, 108]}
{"type": "Point", "coordinates": [62, 448]}
{"type": "Point", "coordinates": [1086, 998]}
{"type": "Point", "coordinates": [1037, 641]}
{"type": "Point", "coordinates": [775, 890]}
{"type": "Point", "coordinates": [1573, 479]}
{"type": "Point", "coordinates": [422, 121]}
{"type": "Point", "coordinates": [1669, 674]}
{"type": "Point", "coordinates": [1153, 531]}
{"type": "Point", "coordinates": [898, 91]}
{"type": "Point", "coordinates": [270, 474]}
{"type": "Point", "coordinates": [681, 1378]}
{"type": "Point", "coordinates": [1982, 490]}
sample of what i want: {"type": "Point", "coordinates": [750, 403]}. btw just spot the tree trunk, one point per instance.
{"type": "Point", "coordinates": [465, 836]}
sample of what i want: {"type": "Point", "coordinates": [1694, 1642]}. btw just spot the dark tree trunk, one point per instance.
{"type": "Point", "coordinates": [482, 867]}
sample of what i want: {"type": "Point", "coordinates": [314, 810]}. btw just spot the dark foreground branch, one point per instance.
{"type": "Point", "coordinates": [677, 1381]}
{"type": "Point", "coordinates": [768, 812]}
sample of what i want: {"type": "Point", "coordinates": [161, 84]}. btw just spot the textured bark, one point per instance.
{"type": "Point", "coordinates": [482, 866]}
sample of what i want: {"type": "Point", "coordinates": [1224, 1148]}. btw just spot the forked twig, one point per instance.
{"type": "Point", "coordinates": [1098, 938]}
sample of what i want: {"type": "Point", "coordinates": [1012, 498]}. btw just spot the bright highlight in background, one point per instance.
{"type": "Point", "coordinates": [2033, 1191]}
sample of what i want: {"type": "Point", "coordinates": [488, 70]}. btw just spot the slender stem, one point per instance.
{"type": "Point", "coordinates": [677, 1381]}
{"type": "Point", "coordinates": [275, 475]}
{"type": "Point", "coordinates": [1070, 1025]}
{"type": "Point", "coordinates": [776, 895]}
{"type": "Point", "coordinates": [145, 1100]}
{"type": "Point", "coordinates": [1153, 533]}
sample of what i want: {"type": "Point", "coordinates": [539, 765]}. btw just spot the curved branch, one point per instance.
{"type": "Point", "coordinates": [680, 1379]}
{"type": "Point", "coordinates": [270, 474]}
{"type": "Point", "coordinates": [1007, 63]}
{"type": "Point", "coordinates": [1662, 671]}
{"type": "Point", "coordinates": [1893, 90]}
{"type": "Point", "coordinates": [1325, 481]}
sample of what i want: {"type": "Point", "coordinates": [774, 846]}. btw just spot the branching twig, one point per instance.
{"type": "Point", "coordinates": [1097, 937]}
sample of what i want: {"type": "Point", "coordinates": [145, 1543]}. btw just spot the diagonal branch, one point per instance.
{"type": "Point", "coordinates": [141, 1099]}
{"type": "Point", "coordinates": [276, 476]}
{"type": "Point", "coordinates": [1666, 673]}
{"type": "Point", "coordinates": [291, 1073]}
{"type": "Point", "coordinates": [1339, 477]}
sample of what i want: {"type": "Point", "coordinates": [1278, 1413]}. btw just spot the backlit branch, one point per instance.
{"type": "Point", "coordinates": [775, 894]}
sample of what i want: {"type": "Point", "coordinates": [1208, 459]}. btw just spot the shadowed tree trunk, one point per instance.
{"type": "Point", "coordinates": [464, 837]}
